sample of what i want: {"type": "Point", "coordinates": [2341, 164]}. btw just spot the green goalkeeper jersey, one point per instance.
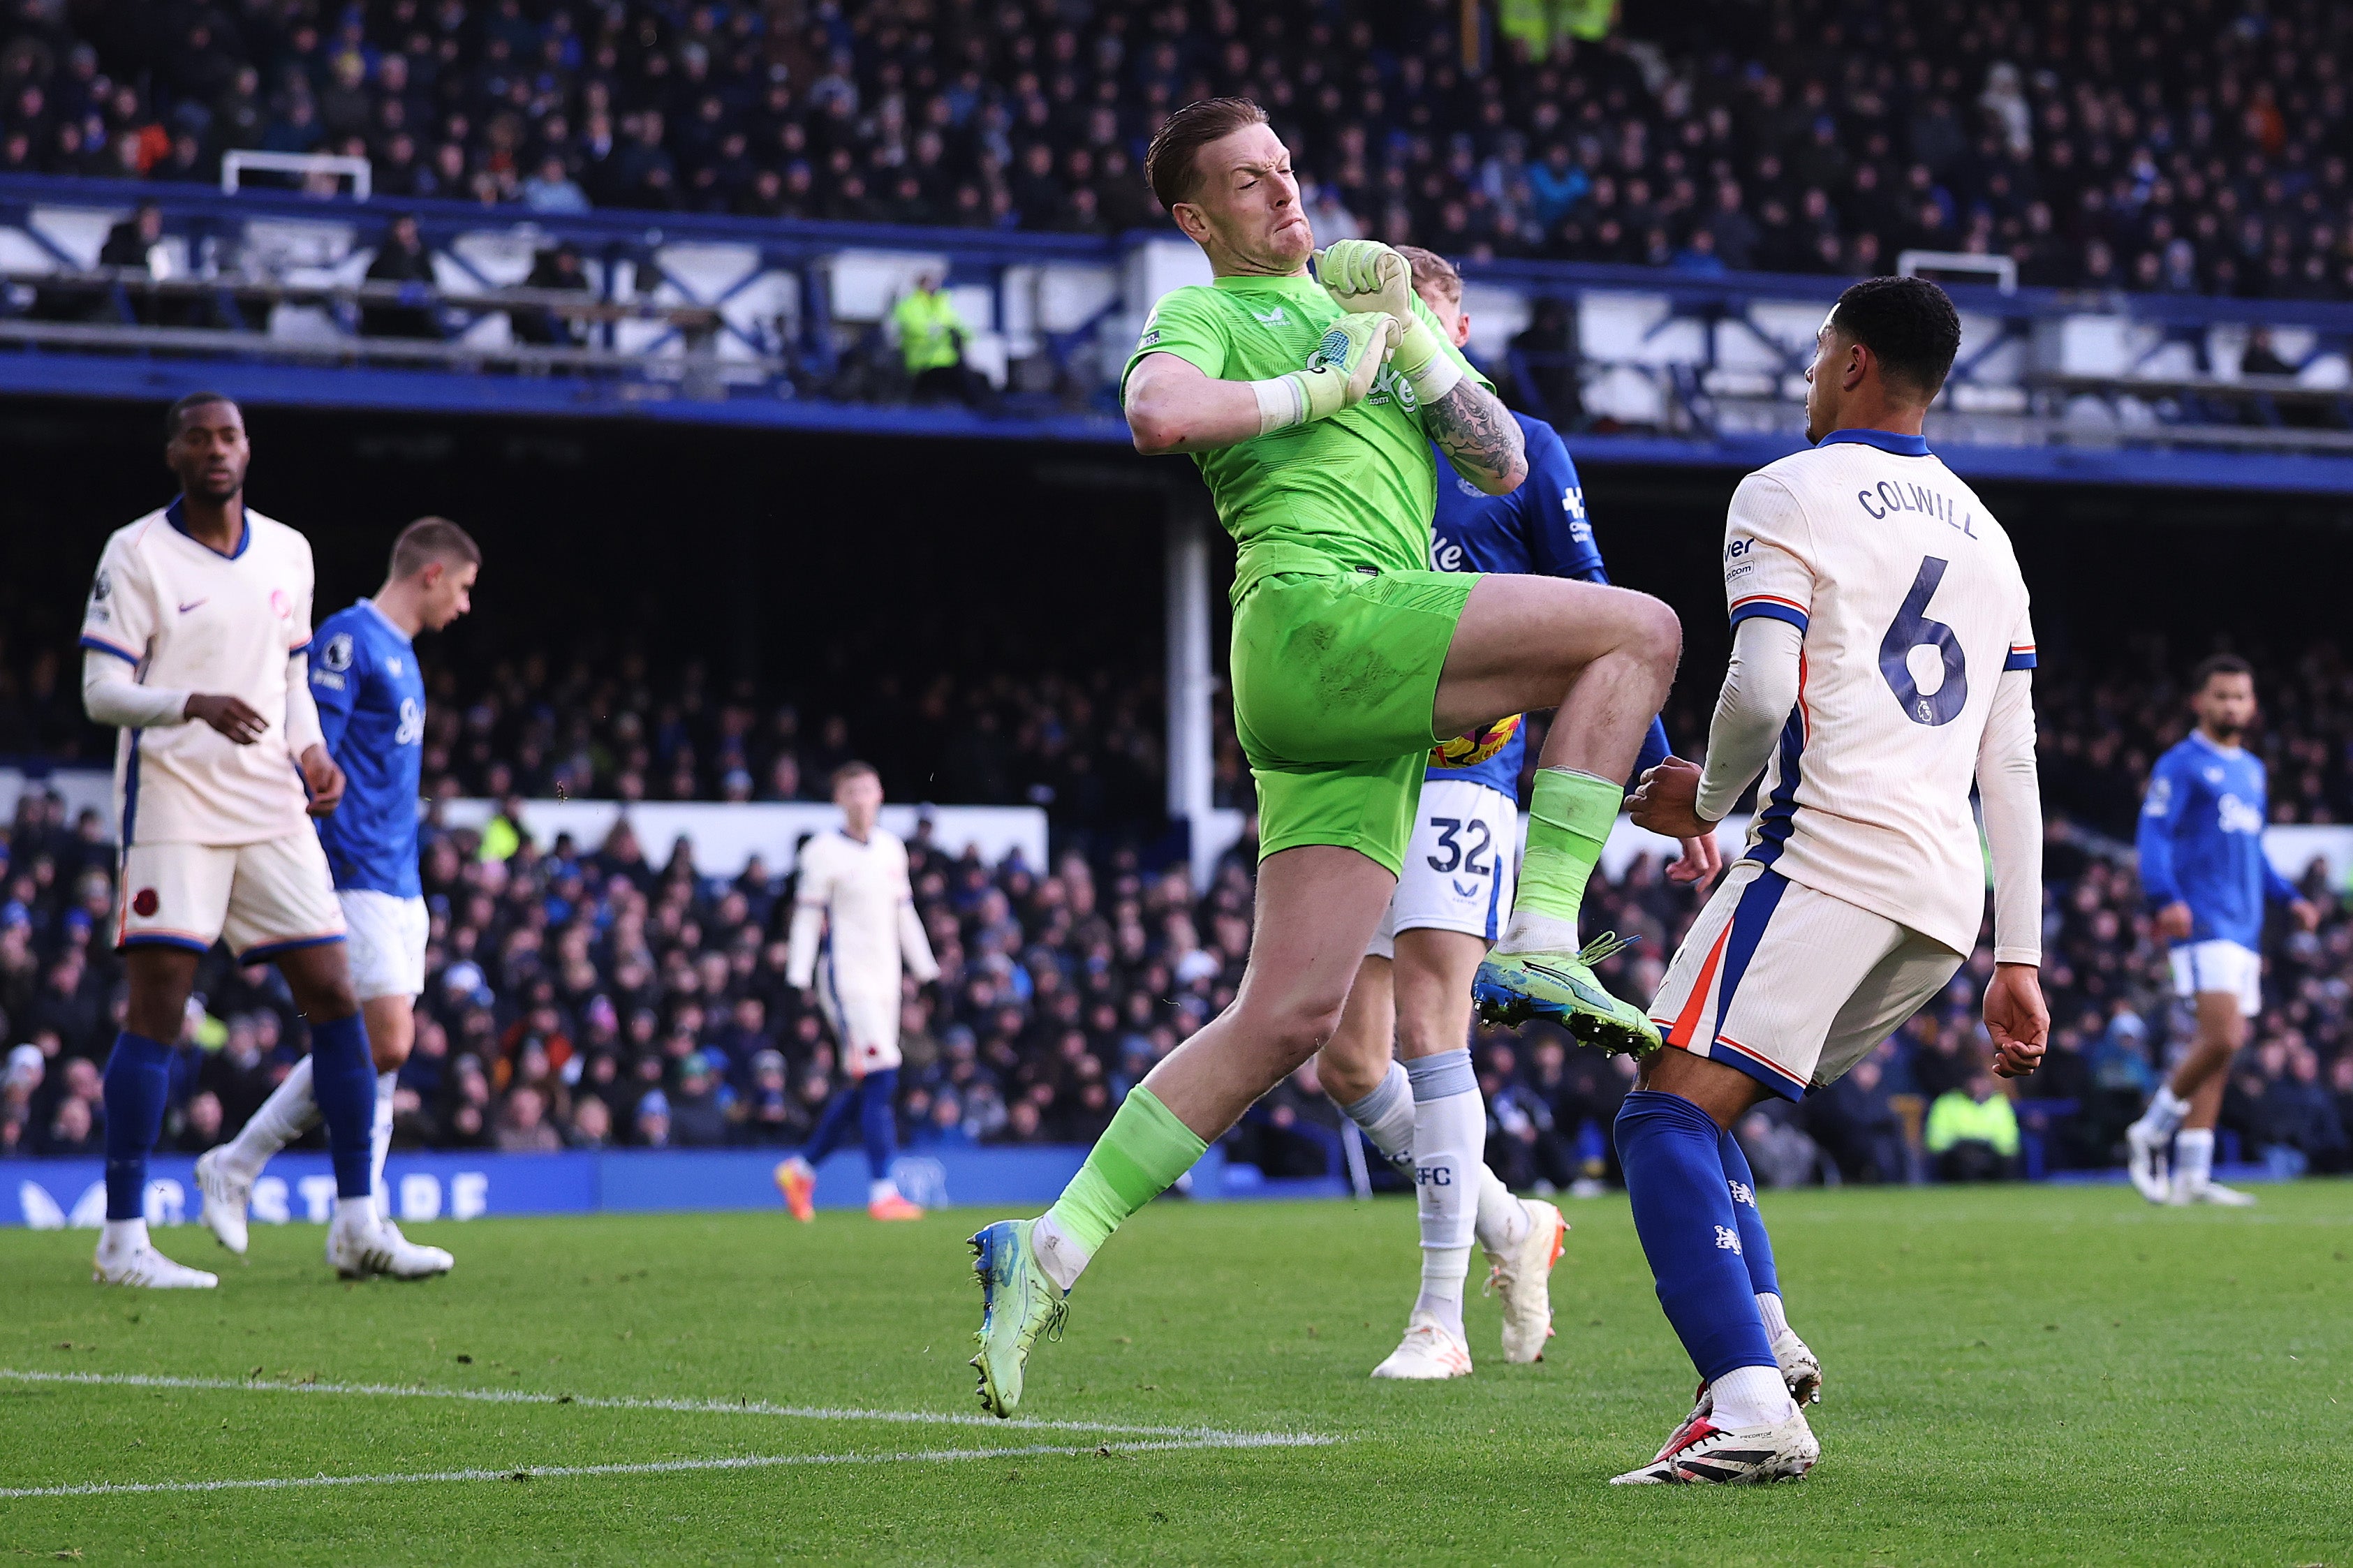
{"type": "Point", "coordinates": [1356, 490]}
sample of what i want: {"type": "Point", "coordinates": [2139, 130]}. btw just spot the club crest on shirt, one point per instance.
{"type": "Point", "coordinates": [337, 655]}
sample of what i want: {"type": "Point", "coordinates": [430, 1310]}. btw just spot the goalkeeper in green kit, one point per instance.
{"type": "Point", "coordinates": [1311, 404]}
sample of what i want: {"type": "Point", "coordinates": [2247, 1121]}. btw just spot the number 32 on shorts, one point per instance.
{"type": "Point", "coordinates": [1460, 846]}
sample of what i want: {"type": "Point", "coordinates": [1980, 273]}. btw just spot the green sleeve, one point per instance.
{"type": "Point", "coordinates": [1187, 322]}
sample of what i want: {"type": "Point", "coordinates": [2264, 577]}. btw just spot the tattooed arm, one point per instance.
{"type": "Point", "coordinates": [1479, 437]}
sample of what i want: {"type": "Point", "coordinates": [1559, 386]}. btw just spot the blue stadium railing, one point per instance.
{"type": "Point", "coordinates": [1667, 366]}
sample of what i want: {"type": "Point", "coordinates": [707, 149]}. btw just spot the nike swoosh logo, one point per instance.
{"type": "Point", "coordinates": [194, 604]}
{"type": "Point", "coordinates": [1584, 992]}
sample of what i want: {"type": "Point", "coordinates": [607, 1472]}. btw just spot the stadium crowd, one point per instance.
{"type": "Point", "coordinates": [2195, 147]}
{"type": "Point", "coordinates": [615, 993]}
{"type": "Point", "coordinates": [1087, 745]}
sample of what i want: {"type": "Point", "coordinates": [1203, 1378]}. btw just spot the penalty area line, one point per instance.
{"type": "Point", "coordinates": [656, 1466]}
{"type": "Point", "coordinates": [1214, 1437]}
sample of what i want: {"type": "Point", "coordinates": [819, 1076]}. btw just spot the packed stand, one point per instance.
{"type": "Point", "coordinates": [2200, 147]}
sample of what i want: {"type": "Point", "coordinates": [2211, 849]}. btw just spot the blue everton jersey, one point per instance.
{"type": "Point", "coordinates": [371, 699]}
{"type": "Point", "coordinates": [2201, 840]}
{"type": "Point", "coordinates": [1539, 529]}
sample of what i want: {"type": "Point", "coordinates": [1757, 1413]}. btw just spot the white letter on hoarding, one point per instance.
{"type": "Point", "coordinates": [318, 1196]}
{"type": "Point", "coordinates": [469, 1192]}
{"type": "Point", "coordinates": [268, 1203]}
{"type": "Point", "coordinates": [420, 1197]}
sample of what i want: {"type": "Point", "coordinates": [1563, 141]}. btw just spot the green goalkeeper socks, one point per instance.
{"type": "Point", "coordinates": [1139, 1156]}
{"type": "Point", "coordinates": [1569, 820]}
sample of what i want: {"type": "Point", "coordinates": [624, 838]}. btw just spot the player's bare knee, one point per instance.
{"type": "Point", "coordinates": [1347, 1072]}
{"type": "Point", "coordinates": [1296, 1030]}
{"type": "Point", "coordinates": [1419, 1036]}
{"type": "Point", "coordinates": [1654, 632]}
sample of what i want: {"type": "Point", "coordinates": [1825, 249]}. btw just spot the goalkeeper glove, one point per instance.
{"type": "Point", "coordinates": [1366, 275]}
{"type": "Point", "coordinates": [1338, 373]}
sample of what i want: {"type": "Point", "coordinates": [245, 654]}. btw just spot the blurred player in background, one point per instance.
{"type": "Point", "coordinates": [1882, 664]}
{"type": "Point", "coordinates": [370, 700]}
{"type": "Point", "coordinates": [1312, 404]}
{"type": "Point", "coordinates": [852, 885]}
{"type": "Point", "coordinates": [197, 631]}
{"type": "Point", "coordinates": [1422, 1109]}
{"type": "Point", "coordinates": [2204, 873]}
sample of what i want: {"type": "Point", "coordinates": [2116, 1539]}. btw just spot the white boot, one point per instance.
{"type": "Point", "coordinates": [125, 1256]}
{"type": "Point", "coordinates": [361, 1242]}
{"type": "Point", "coordinates": [226, 1191]}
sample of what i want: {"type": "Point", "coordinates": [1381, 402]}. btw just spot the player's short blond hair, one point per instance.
{"type": "Point", "coordinates": [849, 771]}
{"type": "Point", "coordinates": [1431, 270]}
{"type": "Point", "coordinates": [431, 539]}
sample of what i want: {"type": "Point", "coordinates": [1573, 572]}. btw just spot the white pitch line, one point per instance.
{"type": "Point", "coordinates": [651, 1468]}
{"type": "Point", "coordinates": [1209, 1434]}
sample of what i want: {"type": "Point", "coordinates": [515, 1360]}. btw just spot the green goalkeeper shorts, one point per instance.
{"type": "Point", "coordinates": [1336, 677]}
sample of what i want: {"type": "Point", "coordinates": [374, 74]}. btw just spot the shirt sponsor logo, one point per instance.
{"type": "Point", "coordinates": [2238, 816]}
{"type": "Point", "coordinates": [1390, 383]}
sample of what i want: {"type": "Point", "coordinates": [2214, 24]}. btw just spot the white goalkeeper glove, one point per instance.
{"type": "Point", "coordinates": [1366, 275]}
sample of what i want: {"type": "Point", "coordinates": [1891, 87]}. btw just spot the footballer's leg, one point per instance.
{"type": "Point", "coordinates": [225, 1173]}
{"type": "Point", "coordinates": [1605, 657]}
{"type": "Point", "coordinates": [1317, 905]}
{"type": "Point", "coordinates": [797, 1173]}
{"type": "Point", "coordinates": [182, 895]}
{"type": "Point", "coordinates": [137, 1090]}
{"type": "Point", "coordinates": [877, 1029]}
{"type": "Point", "coordinates": [1359, 1067]}
{"type": "Point", "coordinates": [1767, 975]}
{"type": "Point", "coordinates": [284, 910]}
{"type": "Point", "coordinates": [2224, 982]}
{"type": "Point", "coordinates": [1670, 1135]}
{"type": "Point", "coordinates": [1460, 1198]}
{"type": "Point", "coordinates": [1801, 1370]}
{"type": "Point", "coordinates": [2220, 1029]}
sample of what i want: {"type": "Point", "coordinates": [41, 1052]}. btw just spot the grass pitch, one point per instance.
{"type": "Point", "coordinates": [2053, 1374]}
